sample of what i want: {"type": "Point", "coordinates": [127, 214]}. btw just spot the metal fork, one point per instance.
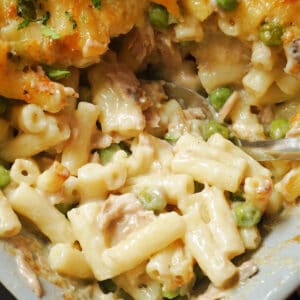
{"type": "Point", "coordinates": [287, 148]}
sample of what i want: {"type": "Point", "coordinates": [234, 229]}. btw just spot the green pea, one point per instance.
{"type": "Point", "coordinates": [107, 154]}
{"type": "Point", "coordinates": [159, 16]}
{"type": "Point", "coordinates": [152, 200]}
{"type": "Point", "coordinates": [227, 4]}
{"type": "Point", "coordinates": [4, 177]}
{"type": "Point", "coordinates": [107, 286]}
{"type": "Point", "coordinates": [246, 214]}
{"type": "Point", "coordinates": [278, 128]}
{"type": "Point", "coordinates": [219, 96]}
{"type": "Point", "coordinates": [169, 137]}
{"type": "Point", "coordinates": [170, 294]}
{"type": "Point", "coordinates": [3, 105]}
{"type": "Point", "coordinates": [213, 127]}
{"type": "Point", "coordinates": [270, 34]}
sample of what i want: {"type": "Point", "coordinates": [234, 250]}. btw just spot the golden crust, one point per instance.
{"type": "Point", "coordinates": [78, 46]}
{"type": "Point", "coordinates": [30, 86]}
{"type": "Point", "coordinates": [251, 13]}
{"type": "Point", "coordinates": [83, 44]}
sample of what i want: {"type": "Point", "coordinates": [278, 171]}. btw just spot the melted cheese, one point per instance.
{"type": "Point", "coordinates": [76, 46]}
{"type": "Point", "coordinates": [249, 14]}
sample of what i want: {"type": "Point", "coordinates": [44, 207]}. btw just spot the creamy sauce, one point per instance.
{"type": "Point", "coordinates": [31, 251]}
{"type": "Point", "coordinates": [246, 270]}
{"type": "Point", "coordinates": [30, 276]}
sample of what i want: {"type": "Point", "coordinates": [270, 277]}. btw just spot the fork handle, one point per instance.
{"type": "Point", "coordinates": [282, 149]}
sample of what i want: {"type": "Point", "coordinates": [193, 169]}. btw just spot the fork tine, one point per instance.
{"type": "Point", "coordinates": [190, 98]}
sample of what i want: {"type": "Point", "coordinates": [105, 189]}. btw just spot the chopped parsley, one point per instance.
{"type": "Point", "coordinates": [26, 9]}
{"type": "Point", "coordinates": [23, 24]}
{"type": "Point", "coordinates": [71, 19]}
{"type": "Point", "coordinates": [97, 3]}
{"type": "Point", "coordinates": [50, 32]}
{"type": "Point", "coordinates": [45, 18]}
{"type": "Point", "coordinates": [55, 73]}
{"type": "Point", "coordinates": [58, 74]}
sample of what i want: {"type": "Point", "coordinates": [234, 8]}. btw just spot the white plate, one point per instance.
{"type": "Point", "coordinates": [278, 260]}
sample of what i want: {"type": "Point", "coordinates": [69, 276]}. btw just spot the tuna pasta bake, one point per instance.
{"type": "Point", "coordinates": [111, 188]}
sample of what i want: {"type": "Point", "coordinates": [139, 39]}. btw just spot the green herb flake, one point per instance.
{"type": "Point", "coordinates": [71, 19]}
{"type": "Point", "coordinates": [45, 18]}
{"type": "Point", "coordinates": [56, 73]}
{"type": "Point", "coordinates": [97, 3]}
{"type": "Point", "coordinates": [23, 24]}
{"type": "Point", "coordinates": [50, 32]}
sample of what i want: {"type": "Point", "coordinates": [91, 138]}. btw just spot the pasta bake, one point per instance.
{"type": "Point", "coordinates": [134, 194]}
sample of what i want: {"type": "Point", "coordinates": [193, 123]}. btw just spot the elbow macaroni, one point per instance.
{"type": "Point", "coordinates": [67, 260]}
{"type": "Point", "coordinates": [205, 164]}
{"type": "Point", "coordinates": [76, 153]}
{"type": "Point", "coordinates": [28, 202]}
{"type": "Point", "coordinates": [9, 222]}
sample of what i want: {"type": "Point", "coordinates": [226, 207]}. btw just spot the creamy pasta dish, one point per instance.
{"type": "Point", "coordinates": [135, 193]}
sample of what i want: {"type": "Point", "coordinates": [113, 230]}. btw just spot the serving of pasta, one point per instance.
{"type": "Point", "coordinates": [132, 192]}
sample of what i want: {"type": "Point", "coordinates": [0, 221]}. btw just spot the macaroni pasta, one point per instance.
{"type": "Point", "coordinates": [130, 187]}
